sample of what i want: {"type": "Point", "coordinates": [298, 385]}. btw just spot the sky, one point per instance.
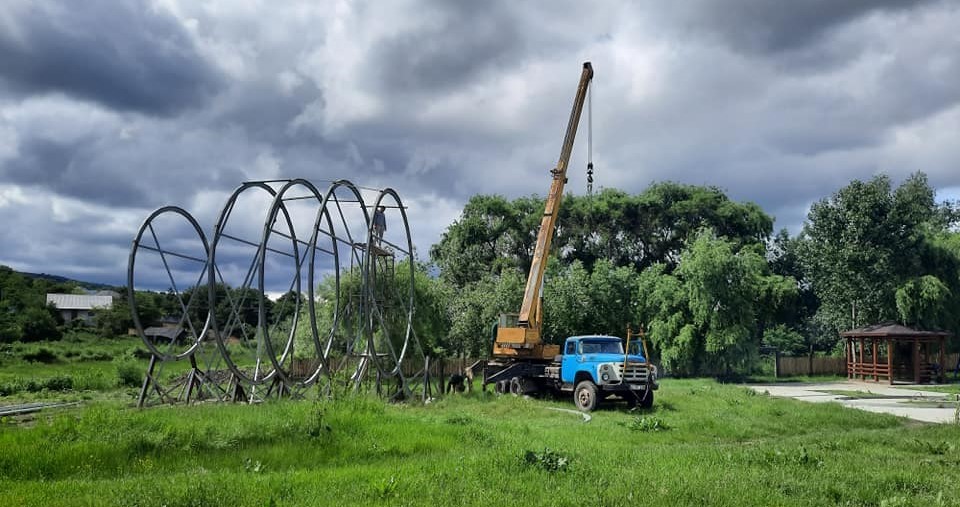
{"type": "Point", "coordinates": [110, 110]}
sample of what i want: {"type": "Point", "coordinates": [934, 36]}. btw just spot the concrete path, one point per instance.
{"type": "Point", "coordinates": [909, 401]}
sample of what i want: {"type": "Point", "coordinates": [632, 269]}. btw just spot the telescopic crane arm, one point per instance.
{"type": "Point", "coordinates": [530, 310]}
{"type": "Point", "coordinates": [524, 339]}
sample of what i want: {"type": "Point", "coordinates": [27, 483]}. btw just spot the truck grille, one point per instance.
{"type": "Point", "coordinates": [635, 373]}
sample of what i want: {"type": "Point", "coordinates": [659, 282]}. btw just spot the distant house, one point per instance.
{"type": "Point", "coordinates": [73, 306]}
{"type": "Point", "coordinates": [161, 334]}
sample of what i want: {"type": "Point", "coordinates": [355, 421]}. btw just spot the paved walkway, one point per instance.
{"type": "Point", "coordinates": [909, 401]}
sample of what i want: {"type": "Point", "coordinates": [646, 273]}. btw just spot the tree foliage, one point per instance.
{"type": "Point", "coordinates": [708, 316]}
{"type": "Point", "coordinates": [870, 254]}
{"type": "Point", "coordinates": [430, 321]}
{"type": "Point", "coordinates": [493, 234]}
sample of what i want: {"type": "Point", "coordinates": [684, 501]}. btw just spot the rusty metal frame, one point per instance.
{"type": "Point", "coordinates": [215, 372]}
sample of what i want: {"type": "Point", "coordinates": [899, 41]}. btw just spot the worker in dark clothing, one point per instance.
{"type": "Point", "coordinates": [379, 224]}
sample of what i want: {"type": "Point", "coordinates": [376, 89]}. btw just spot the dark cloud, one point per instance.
{"type": "Point", "coordinates": [779, 103]}
{"type": "Point", "coordinates": [124, 55]}
{"type": "Point", "coordinates": [459, 41]}
{"type": "Point", "coordinates": [763, 27]}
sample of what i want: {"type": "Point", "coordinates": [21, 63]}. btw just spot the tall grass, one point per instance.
{"type": "Point", "coordinates": [714, 445]}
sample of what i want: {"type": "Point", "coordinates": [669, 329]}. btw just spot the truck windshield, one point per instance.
{"type": "Point", "coordinates": [601, 347]}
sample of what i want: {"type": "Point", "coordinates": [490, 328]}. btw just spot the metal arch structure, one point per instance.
{"type": "Point", "coordinates": [240, 344]}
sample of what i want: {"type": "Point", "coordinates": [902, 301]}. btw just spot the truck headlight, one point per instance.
{"type": "Point", "coordinates": [605, 377]}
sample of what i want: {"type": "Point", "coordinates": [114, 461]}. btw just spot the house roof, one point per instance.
{"type": "Point", "coordinates": [78, 302]}
{"type": "Point", "coordinates": [892, 329]}
{"type": "Point", "coordinates": [163, 332]}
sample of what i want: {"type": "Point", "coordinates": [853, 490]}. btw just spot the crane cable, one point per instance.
{"type": "Point", "coordinates": [590, 141]}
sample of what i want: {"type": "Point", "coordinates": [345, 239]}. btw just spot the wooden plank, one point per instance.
{"type": "Point", "coordinates": [916, 361]}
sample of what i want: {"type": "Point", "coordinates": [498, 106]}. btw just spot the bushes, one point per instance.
{"type": "Point", "coordinates": [55, 383]}
{"type": "Point", "coordinates": [129, 374]}
{"type": "Point", "coordinates": [42, 355]}
{"type": "Point", "coordinates": [39, 324]}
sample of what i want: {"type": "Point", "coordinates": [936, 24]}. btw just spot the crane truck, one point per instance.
{"type": "Point", "coordinates": [591, 367]}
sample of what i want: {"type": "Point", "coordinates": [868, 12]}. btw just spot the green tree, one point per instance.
{"type": "Point", "coordinates": [493, 234]}
{"type": "Point", "coordinates": [922, 302]}
{"type": "Point", "coordinates": [866, 241]}
{"type": "Point", "coordinates": [475, 308]}
{"type": "Point", "coordinates": [430, 321]}
{"type": "Point", "coordinates": [709, 314]}
{"type": "Point", "coordinates": [40, 323]}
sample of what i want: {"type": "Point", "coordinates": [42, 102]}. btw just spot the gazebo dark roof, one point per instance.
{"type": "Point", "coordinates": [163, 332]}
{"type": "Point", "coordinates": [890, 329]}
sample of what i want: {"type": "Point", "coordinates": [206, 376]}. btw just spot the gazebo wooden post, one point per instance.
{"type": "Point", "coordinates": [889, 360]}
{"type": "Point", "coordinates": [876, 374]}
{"type": "Point", "coordinates": [863, 374]}
{"type": "Point", "coordinates": [943, 360]}
{"type": "Point", "coordinates": [916, 360]}
{"type": "Point", "coordinates": [848, 351]}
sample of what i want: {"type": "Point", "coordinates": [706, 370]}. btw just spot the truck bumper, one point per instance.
{"type": "Point", "coordinates": [620, 388]}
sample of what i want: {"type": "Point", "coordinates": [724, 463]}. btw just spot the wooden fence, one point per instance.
{"type": "Point", "coordinates": [791, 366]}
{"type": "Point", "coordinates": [439, 368]}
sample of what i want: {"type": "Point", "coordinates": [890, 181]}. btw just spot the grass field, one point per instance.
{"type": "Point", "coordinates": [703, 444]}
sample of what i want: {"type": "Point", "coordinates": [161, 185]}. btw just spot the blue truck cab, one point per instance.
{"type": "Point", "coordinates": [592, 367]}
{"type": "Point", "coordinates": [596, 366]}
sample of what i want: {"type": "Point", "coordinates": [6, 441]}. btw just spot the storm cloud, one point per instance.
{"type": "Point", "coordinates": [123, 55]}
{"type": "Point", "coordinates": [110, 110]}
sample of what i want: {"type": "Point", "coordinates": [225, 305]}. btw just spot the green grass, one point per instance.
{"type": "Point", "coordinates": [703, 444]}
{"type": "Point", "coordinates": [80, 367]}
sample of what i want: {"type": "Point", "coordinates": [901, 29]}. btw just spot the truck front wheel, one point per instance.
{"type": "Point", "coordinates": [585, 396]}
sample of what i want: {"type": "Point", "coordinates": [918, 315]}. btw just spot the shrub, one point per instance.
{"type": "Point", "coordinates": [129, 374]}
{"type": "Point", "coordinates": [549, 460]}
{"type": "Point", "coordinates": [42, 355]}
{"type": "Point", "coordinates": [139, 353]}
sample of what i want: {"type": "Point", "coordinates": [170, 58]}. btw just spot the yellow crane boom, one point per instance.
{"type": "Point", "coordinates": [519, 335]}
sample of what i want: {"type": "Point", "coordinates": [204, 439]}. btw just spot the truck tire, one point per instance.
{"type": "Point", "coordinates": [516, 386]}
{"type": "Point", "coordinates": [502, 386]}
{"type": "Point", "coordinates": [585, 396]}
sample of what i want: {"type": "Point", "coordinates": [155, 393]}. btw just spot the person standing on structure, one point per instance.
{"type": "Point", "coordinates": [379, 224]}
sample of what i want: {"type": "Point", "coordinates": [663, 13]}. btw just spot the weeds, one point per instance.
{"type": "Point", "coordinates": [386, 488]}
{"type": "Point", "coordinates": [936, 448]}
{"type": "Point", "coordinates": [647, 424]}
{"type": "Point", "coordinates": [548, 460]}
{"type": "Point", "coordinates": [254, 467]}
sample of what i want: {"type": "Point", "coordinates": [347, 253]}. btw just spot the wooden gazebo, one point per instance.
{"type": "Point", "coordinates": [896, 352]}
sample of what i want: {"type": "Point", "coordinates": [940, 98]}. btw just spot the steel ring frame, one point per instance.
{"type": "Point", "coordinates": [310, 250]}
{"type": "Point", "coordinates": [214, 273]}
{"type": "Point", "coordinates": [131, 271]}
{"type": "Point", "coordinates": [371, 344]}
{"type": "Point", "coordinates": [324, 211]}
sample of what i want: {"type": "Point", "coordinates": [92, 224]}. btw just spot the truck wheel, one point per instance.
{"type": "Point", "coordinates": [585, 396]}
{"type": "Point", "coordinates": [503, 386]}
{"type": "Point", "coordinates": [516, 386]}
